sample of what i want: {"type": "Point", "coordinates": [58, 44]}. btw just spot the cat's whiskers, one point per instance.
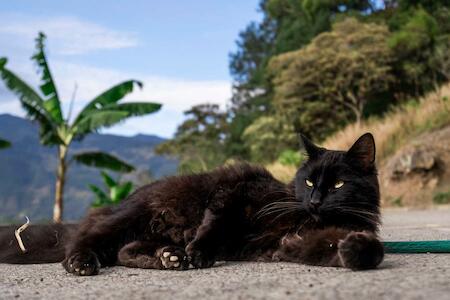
{"type": "Point", "coordinates": [279, 191]}
{"type": "Point", "coordinates": [275, 206]}
{"type": "Point", "coordinates": [278, 208]}
{"type": "Point", "coordinates": [284, 213]}
{"type": "Point", "coordinates": [367, 216]}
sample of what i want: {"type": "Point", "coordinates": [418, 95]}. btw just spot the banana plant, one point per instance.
{"type": "Point", "coordinates": [114, 193]}
{"type": "Point", "coordinates": [4, 144]}
{"type": "Point", "coordinates": [105, 110]}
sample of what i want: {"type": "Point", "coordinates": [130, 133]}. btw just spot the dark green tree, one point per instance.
{"type": "Point", "coordinates": [200, 140]}
{"type": "Point", "coordinates": [286, 25]}
{"type": "Point", "coordinates": [332, 78]}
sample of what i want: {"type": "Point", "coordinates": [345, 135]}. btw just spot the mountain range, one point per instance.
{"type": "Point", "coordinates": [28, 170]}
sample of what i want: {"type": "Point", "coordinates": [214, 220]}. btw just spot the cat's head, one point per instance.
{"type": "Point", "coordinates": [340, 187]}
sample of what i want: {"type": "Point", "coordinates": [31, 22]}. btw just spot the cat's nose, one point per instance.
{"type": "Point", "coordinates": [314, 204]}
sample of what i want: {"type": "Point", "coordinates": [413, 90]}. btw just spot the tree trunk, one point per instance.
{"type": "Point", "coordinates": [60, 181]}
{"type": "Point", "coordinates": [358, 117]}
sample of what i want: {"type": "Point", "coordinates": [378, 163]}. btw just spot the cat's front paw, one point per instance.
{"type": "Point", "coordinates": [360, 251]}
{"type": "Point", "coordinates": [173, 258]}
{"type": "Point", "coordinates": [82, 263]}
{"type": "Point", "coordinates": [199, 258]}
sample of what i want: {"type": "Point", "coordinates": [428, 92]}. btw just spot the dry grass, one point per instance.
{"type": "Point", "coordinates": [282, 172]}
{"type": "Point", "coordinates": [391, 131]}
{"type": "Point", "coordinates": [398, 126]}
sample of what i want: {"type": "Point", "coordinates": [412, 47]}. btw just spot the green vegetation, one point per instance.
{"type": "Point", "coordinates": [59, 130]}
{"type": "Point", "coordinates": [442, 198]}
{"type": "Point", "coordinates": [317, 67]}
{"type": "Point", "coordinates": [4, 144]}
{"type": "Point", "coordinates": [291, 158]}
{"type": "Point", "coordinates": [115, 191]}
{"type": "Point", "coordinates": [333, 77]}
{"type": "Point", "coordinates": [397, 202]}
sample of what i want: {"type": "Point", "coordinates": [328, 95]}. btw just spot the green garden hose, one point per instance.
{"type": "Point", "coordinates": [418, 247]}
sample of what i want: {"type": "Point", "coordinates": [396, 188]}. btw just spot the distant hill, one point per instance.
{"type": "Point", "coordinates": [27, 170]}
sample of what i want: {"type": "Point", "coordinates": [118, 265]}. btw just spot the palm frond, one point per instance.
{"type": "Point", "coordinates": [110, 96]}
{"type": "Point", "coordinates": [135, 109]}
{"type": "Point", "coordinates": [123, 191]}
{"type": "Point", "coordinates": [108, 180]}
{"type": "Point", "coordinates": [102, 160]}
{"type": "Point", "coordinates": [31, 102]}
{"type": "Point", "coordinates": [48, 87]}
{"type": "Point", "coordinates": [102, 198]}
{"type": "Point", "coordinates": [98, 119]}
{"type": "Point", "coordinates": [4, 144]}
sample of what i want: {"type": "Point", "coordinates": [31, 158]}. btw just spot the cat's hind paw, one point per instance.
{"type": "Point", "coordinates": [173, 258]}
{"type": "Point", "coordinates": [360, 251]}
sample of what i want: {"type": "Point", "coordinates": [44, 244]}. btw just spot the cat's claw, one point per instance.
{"type": "Point", "coordinates": [173, 258]}
{"type": "Point", "coordinates": [360, 251]}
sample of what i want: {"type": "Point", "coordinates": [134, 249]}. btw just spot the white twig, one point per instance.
{"type": "Point", "coordinates": [17, 233]}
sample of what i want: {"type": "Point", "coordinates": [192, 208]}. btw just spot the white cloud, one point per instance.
{"type": "Point", "coordinates": [69, 35]}
{"type": "Point", "coordinates": [176, 95]}
{"type": "Point", "coordinates": [73, 36]}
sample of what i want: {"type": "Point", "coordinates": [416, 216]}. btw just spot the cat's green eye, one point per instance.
{"type": "Point", "coordinates": [309, 183]}
{"type": "Point", "coordinates": [338, 184]}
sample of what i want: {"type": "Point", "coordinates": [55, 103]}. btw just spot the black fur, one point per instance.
{"type": "Point", "coordinates": [241, 212]}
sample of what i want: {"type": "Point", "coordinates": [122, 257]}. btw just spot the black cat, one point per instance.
{"type": "Point", "coordinates": [327, 216]}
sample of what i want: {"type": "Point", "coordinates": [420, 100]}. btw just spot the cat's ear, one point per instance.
{"type": "Point", "coordinates": [312, 150]}
{"type": "Point", "coordinates": [363, 151]}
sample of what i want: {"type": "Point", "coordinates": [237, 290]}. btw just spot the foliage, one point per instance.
{"type": "Point", "coordinates": [291, 158]}
{"type": "Point", "coordinates": [442, 198]}
{"type": "Point", "coordinates": [102, 160]}
{"type": "Point", "coordinates": [267, 137]}
{"type": "Point", "coordinates": [413, 46]}
{"type": "Point", "coordinates": [4, 144]}
{"type": "Point", "coordinates": [55, 129]}
{"type": "Point", "coordinates": [115, 191]}
{"type": "Point", "coordinates": [337, 73]}
{"type": "Point", "coordinates": [317, 66]}
{"type": "Point", "coordinates": [286, 25]}
{"type": "Point", "coordinates": [200, 140]}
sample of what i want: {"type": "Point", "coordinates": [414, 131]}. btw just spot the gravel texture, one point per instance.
{"type": "Point", "coordinates": [419, 276]}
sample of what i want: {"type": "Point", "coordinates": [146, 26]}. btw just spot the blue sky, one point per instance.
{"type": "Point", "coordinates": [179, 49]}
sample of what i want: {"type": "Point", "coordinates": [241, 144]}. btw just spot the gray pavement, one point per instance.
{"type": "Point", "coordinates": [419, 276]}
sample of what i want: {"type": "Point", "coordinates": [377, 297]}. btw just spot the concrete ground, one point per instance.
{"type": "Point", "coordinates": [420, 276]}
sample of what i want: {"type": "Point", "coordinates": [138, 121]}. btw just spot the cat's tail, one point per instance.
{"type": "Point", "coordinates": [34, 244]}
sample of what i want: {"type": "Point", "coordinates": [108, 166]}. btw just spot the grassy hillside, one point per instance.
{"type": "Point", "coordinates": [392, 131]}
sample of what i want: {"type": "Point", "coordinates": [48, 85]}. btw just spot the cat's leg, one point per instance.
{"type": "Point", "coordinates": [148, 255]}
{"type": "Point", "coordinates": [333, 247]}
{"type": "Point", "coordinates": [97, 241]}
{"type": "Point", "coordinates": [202, 249]}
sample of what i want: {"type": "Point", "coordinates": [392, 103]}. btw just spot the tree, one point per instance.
{"type": "Point", "coordinates": [200, 140]}
{"type": "Point", "coordinates": [57, 130]}
{"type": "Point", "coordinates": [267, 137]}
{"type": "Point", "coordinates": [4, 144]}
{"type": "Point", "coordinates": [413, 44]}
{"type": "Point", "coordinates": [336, 74]}
{"type": "Point", "coordinates": [286, 25]}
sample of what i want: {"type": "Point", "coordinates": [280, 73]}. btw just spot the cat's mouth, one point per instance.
{"type": "Point", "coordinates": [316, 216]}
